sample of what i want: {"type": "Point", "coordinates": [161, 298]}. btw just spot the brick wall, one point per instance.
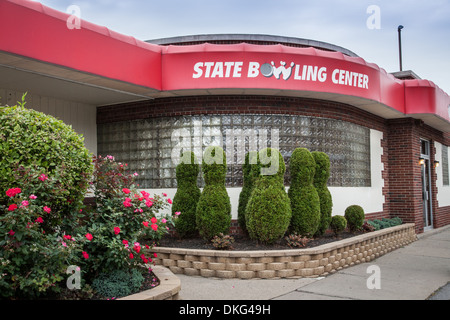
{"type": "Point", "coordinates": [401, 140]}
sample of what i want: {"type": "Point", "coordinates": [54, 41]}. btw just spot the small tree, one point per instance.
{"type": "Point", "coordinates": [304, 198]}
{"type": "Point", "coordinates": [268, 211]}
{"type": "Point", "coordinates": [187, 195]}
{"type": "Point", "coordinates": [320, 183]}
{"type": "Point", "coordinates": [247, 188]}
{"type": "Point", "coordinates": [213, 214]}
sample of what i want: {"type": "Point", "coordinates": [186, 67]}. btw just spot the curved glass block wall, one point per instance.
{"type": "Point", "coordinates": [148, 146]}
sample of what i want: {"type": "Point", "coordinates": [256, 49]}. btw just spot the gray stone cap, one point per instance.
{"type": "Point", "coordinates": [253, 38]}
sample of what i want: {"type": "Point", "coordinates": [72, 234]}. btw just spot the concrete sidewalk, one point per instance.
{"type": "Point", "coordinates": [414, 272]}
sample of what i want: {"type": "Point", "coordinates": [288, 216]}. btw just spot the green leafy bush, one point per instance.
{"type": "Point", "coordinates": [355, 217]}
{"type": "Point", "coordinates": [213, 213]}
{"type": "Point", "coordinates": [305, 201]}
{"type": "Point", "coordinates": [247, 188]}
{"type": "Point", "coordinates": [320, 183]}
{"type": "Point", "coordinates": [118, 283]}
{"type": "Point", "coordinates": [187, 195]}
{"type": "Point", "coordinates": [33, 140]}
{"type": "Point", "coordinates": [268, 211]}
{"type": "Point", "coordinates": [338, 224]}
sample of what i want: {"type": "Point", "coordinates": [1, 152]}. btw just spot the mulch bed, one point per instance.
{"type": "Point", "coordinates": [244, 243]}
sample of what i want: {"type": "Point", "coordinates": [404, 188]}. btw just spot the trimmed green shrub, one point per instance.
{"type": "Point", "coordinates": [119, 283]}
{"type": "Point", "coordinates": [320, 182]}
{"type": "Point", "coordinates": [338, 224]}
{"type": "Point", "coordinates": [268, 211]}
{"type": "Point", "coordinates": [213, 213]}
{"type": "Point", "coordinates": [187, 195]}
{"type": "Point", "coordinates": [31, 140]}
{"type": "Point", "coordinates": [305, 201]}
{"type": "Point", "coordinates": [355, 217]}
{"type": "Point", "coordinates": [385, 223]}
{"type": "Point", "coordinates": [247, 188]}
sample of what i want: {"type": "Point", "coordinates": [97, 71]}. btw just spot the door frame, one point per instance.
{"type": "Point", "coordinates": [427, 195]}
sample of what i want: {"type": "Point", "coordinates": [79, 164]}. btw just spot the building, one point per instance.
{"type": "Point", "coordinates": [387, 135]}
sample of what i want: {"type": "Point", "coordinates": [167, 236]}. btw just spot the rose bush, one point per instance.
{"type": "Point", "coordinates": [105, 237]}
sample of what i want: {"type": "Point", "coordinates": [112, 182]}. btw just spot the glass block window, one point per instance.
{"type": "Point", "coordinates": [150, 146]}
{"type": "Point", "coordinates": [445, 166]}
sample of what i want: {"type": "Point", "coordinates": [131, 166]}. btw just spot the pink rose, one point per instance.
{"type": "Point", "coordinates": [145, 223]}
{"type": "Point", "coordinates": [89, 236]}
{"type": "Point", "coordinates": [25, 203]}
{"type": "Point", "coordinates": [13, 192]}
{"type": "Point", "coordinates": [39, 220]}
{"type": "Point", "coordinates": [126, 191]}
{"type": "Point", "coordinates": [47, 209]}
{"type": "Point", "coordinates": [12, 207]}
{"type": "Point", "coordinates": [148, 203]}
{"type": "Point", "coordinates": [154, 220]}
{"type": "Point", "coordinates": [85, 255]}
{"type": "Point", "coordinates": [116, 230]}
{"type": "Point", "coordinates": [154, 227]}
{"type": "Point", "coordinates": [33, 197]}
{"type": "Point", "coordinates": [43, 177]}
{"type": "Point", "coordinates": [169, 201]}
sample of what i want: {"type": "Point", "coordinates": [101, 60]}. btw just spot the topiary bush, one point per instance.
{"type": "Point", "coordinates": [320, 183]}
{"type": "Point", "coordinates": [338, 224]}
{"type": "Point", "coordinates": [249, 182]}
{"type": "Point", "coordinates": [213, 213]}
{"type": "Point", "coordinates": [31, 140]}
{"type": "Point", "coordinates": [187, 195]}
{"type": "Point", "coordinates": [268, 211]}
{"type": "Point", "coordinates": [355, 217]}
{"type": "Point", "coordinates": [305, 201]}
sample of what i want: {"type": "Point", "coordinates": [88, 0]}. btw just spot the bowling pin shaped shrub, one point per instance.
{"type": "Point", "coordinates": [268, 211]}
{"type": "Point", "coordinates": [249, 182]}
{"type": "Point", "coordinates": [187, 195]}
{"type": "Point", "coordinates": [213, 215]}
{"type": "Point", "coordinates": [320, 182]}
{"type": "Point", "coordinates": [304, 198]}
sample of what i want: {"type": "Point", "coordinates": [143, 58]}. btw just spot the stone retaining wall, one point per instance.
{"type": "Point", "coordinates": [292, 263]}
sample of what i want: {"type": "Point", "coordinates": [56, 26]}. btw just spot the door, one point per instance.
{"type": "Point", "coordinates": [426, 185]}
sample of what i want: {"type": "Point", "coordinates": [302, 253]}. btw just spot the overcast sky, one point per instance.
{"type": "Point", "coordinates": [425, 37]}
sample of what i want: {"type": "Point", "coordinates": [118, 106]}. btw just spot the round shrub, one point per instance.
{"type": "Point", "coordinates": [305, 202]}
{"type": "Point", "coordinates": [249, 182]}
{"type": "Point", "coordinates": [31, 140]}
{"type": "Point", "coordinates": [213, 213]}
{"type": "Point", "coordinates": [355, 217]}
{"type": "Point", "coordinates": [320, 183]}
{"type": "Point", "coordinates": [338, 224]}
{"type": "Point", "coordinates": [268, 211]}
{"type": "Point", "coordinates": [187, 195]}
